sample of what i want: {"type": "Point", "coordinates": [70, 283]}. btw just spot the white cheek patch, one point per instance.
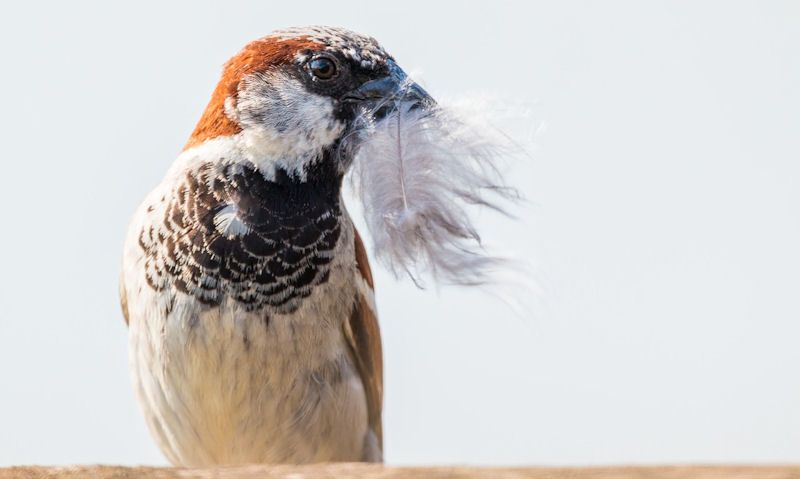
{"type": "Point", "coordinates": [283, 123]}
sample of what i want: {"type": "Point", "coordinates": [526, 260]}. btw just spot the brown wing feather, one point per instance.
{"type": "Point", "coordinates": [364, 338]}
{"type": "Point", "coordinates": [123, 300]}
{"type": "Point", "coordinates": [362, 261]}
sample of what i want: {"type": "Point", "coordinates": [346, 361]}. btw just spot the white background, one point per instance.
{"type": "Point", "coordinates": [663, 222]}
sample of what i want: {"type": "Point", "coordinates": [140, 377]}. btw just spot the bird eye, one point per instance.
{"type": "Point", "coordinates": [323, 68]}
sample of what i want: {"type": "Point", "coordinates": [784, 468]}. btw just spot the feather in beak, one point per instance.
{"type": "Point", "coordinates": [377, 98]}
{"type": "Point", "coordinates": [416, 172]}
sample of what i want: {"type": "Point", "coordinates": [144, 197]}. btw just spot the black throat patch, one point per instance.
{"type": "Point", "coordinates": [229, 232]}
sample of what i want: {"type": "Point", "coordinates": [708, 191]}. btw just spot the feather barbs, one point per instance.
{"type": "Point", "coordinates": [417, 171]}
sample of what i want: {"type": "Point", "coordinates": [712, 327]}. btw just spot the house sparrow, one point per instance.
{"type": "Point", "coordinates": [245, 286]}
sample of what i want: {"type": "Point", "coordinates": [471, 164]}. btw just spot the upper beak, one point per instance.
{"type": "Point", "coordinates": [384, 93]}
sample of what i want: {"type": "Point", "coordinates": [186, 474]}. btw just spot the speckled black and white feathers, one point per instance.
{"type": "Point", "coordinates": [226, 232]}
{"type": "Point", "coordinates": [364, 50]}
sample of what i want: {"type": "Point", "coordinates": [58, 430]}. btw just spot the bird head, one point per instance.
{"type": "Point", "coordinates": [289, 99]}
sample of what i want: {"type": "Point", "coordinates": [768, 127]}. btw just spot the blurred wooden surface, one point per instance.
{"type": "Point", "coordinates": [363, 471]}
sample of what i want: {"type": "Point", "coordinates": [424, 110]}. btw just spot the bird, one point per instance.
{"type": "Point", "coordinates": [246, 288]}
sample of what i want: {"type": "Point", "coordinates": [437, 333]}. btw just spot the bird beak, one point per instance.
{"type": "Point", "coordinates": [383, 94]}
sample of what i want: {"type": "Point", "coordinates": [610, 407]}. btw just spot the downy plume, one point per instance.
{"type": "Point", "coordinates": [417, 172]}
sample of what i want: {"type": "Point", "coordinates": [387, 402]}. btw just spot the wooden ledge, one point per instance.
{"type": "Point", "coordinates": [364, 471]}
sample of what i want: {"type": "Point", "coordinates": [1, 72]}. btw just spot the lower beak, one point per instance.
{"type": "Point", "coordinates": [383, 94]}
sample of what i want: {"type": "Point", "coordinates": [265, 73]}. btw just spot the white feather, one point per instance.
{"type": "Point", "coordinates": [228, 223]}
{"type": "Point", "coordinates": [416, 172]}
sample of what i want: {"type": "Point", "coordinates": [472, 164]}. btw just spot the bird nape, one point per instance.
{"type": "Point", "coordinates": [249, 298]}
